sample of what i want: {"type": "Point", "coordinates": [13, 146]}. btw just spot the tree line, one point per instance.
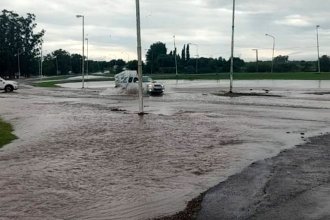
{"type": "Point", "coordinates": [21, 55]}
{"type": "Point", "coordinates": [21, 52]}
{"type": "Point", "coordinates": [61, 62]}
{"type": "Point", "coordinates": [158, 60]}
{"type": "Point", "coordinates": [19, 45]}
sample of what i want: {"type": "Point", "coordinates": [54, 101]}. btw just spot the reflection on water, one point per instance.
{"type": "Point", "coordinates": [286, 84]}
{"type": "Point", "coordinates": [289, 84]}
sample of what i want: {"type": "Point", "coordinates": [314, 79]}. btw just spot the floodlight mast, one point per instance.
{"type": "Point", "coordinates": [87, 57]}
{"type": "Point", "coordinates": [232, 50]}
{"type": "Point", "coordinates": [139, 54]}
{"type": "Point", "coordinates": [257, 59]}
{"type": "Point", "coordinates": [318, 48]}
{"type": "Point", "coordinates": [83, 50]}
{"type": "Point", "coordinates": [268, 35]}
{"type": "Point", "coordinates": [41, 60]}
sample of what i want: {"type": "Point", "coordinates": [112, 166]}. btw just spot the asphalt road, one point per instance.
{"type": "Point", "coordinates": [293, 185]}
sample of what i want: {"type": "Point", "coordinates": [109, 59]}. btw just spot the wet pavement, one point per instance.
{"type": "Point", "coordinates": [86, 154]}
{"type": "Point", "coordinates": [293, 185]}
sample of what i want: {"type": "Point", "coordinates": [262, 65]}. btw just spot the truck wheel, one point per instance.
{"type": "Point", "coordinates": [9, 88]}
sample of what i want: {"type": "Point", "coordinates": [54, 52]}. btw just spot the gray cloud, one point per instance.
{"type": "Point", "coordinates": [204, 22]}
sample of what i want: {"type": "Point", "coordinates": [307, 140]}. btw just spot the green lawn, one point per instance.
{"type": "Point", "coordinates": [6, 135]}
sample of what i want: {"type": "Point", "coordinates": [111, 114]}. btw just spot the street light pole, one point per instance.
{"type": "Point", "coordinates": [176, 62]}
{"type": "Point", "coordinates": [232, 50]}
{"type": "Point", "coordinates": [318, 48]}
{"type": "Point", "coordinates": [257, 60]}
{"type": "Point", "coordinates": [197, 57]}
{"type": "Point", "coordinates": [87, 58]}
{"type": "Point", "coordinates": [41, 61]}
{"type": "Point", "coordinates": [83, 50]}
{"type": "Point", "coordinates": [139, 54]}
{"type": "Point", "coordinates": [268, 35]}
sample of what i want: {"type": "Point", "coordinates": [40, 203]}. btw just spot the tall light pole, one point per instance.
{"type": "Point", "coordinates": [139, 54]}
{"type": "Point", "coordinates": [175, 59]}
{"type": "Point", "coordinates": [257, 60]}
{"type": "Point", "coordinates": [41, 61]}
{"type": "Point", "coordinates": [83, 50]}
{"type": "Point", "coordinates": [87, 57]}
{"type": "Point", "coordinates": [232, 50]}
{"type": "Point", "coordinates": [197, 56]}
{"type": "Point", "coordinates": [318, 48]}
{"type": "Point", "coordinates": [268, 35]}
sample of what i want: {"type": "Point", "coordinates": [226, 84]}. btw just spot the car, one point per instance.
{"type": "Point", "coordinates": [152, 87]}
{"type": "Point", "coordinates": [128, 80]}
{"type": "Point", "coordinates": [7, 85]}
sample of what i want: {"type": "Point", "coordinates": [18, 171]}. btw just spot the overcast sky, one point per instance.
{"type": "Point", "coordinates": [111, 26]}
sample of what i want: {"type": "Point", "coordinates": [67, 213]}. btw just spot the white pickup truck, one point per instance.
{"type": "Point", "coordinates": [8, 85]}
{"type": "Point", "coordinates": [128, 80]}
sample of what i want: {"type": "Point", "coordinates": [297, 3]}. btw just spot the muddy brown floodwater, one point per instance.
{"type": "Point", "coordinates": [86, 154]}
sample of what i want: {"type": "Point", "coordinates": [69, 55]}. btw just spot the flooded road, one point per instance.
{"type": "Point", "coordinates": [86, 154]}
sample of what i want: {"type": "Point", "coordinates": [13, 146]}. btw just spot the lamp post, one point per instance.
{"type": "Point", "coordinates": [268, 35]}
{"type": "Point", "coordinates": [196, 45]}
{"type": "Point", "coordinates": [318, 48]}
{"type": "Point", "coordinates": [41, 61]}
{"type": "Point", "coordinates": [87, 57]}
{"type": "Point", "coordinates": [139, 55]}
{"type": "Point", "coordinates": [175, 59]}
{"type": "Point", "coordinates": [232, 50]}
{"type": "Point", "coordinates": [83, 50]}
{"type": "Point", "coordinates": [257, 67]}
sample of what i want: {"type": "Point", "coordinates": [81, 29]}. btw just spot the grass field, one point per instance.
{"type": "Point", "coordinates": [6, 135]}
{"type": "Point", "coordinates": [51, 82]}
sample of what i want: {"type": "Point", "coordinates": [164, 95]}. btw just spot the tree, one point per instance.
{"type": "Point", "coordinates": [281, 59]}
{"type": "Point", "coordinates": [188, 53]}
{"type": "Point", "coordinates": [325, 63]}
{"type": "Point", "coordinates": [155, 51]}
{"type": "Point", "coordinates": [239, 64]}
{"type": "Point", "coordinates": [76, 63]}
{"type": "Point", "coordinates": [117, 66]}
{"type": "Point", "coordinates": [19, 42]}
{"type": "Point", "coordinates": [62, 60]}
{"type": "Point", "coordinates": [49, 66]}
{"type": "Point", "coordinates": [132, 65]}
{"type": "Point", "coordinates": [183, 53]}
{"type": "Point", "coordinates": [166, 63]}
